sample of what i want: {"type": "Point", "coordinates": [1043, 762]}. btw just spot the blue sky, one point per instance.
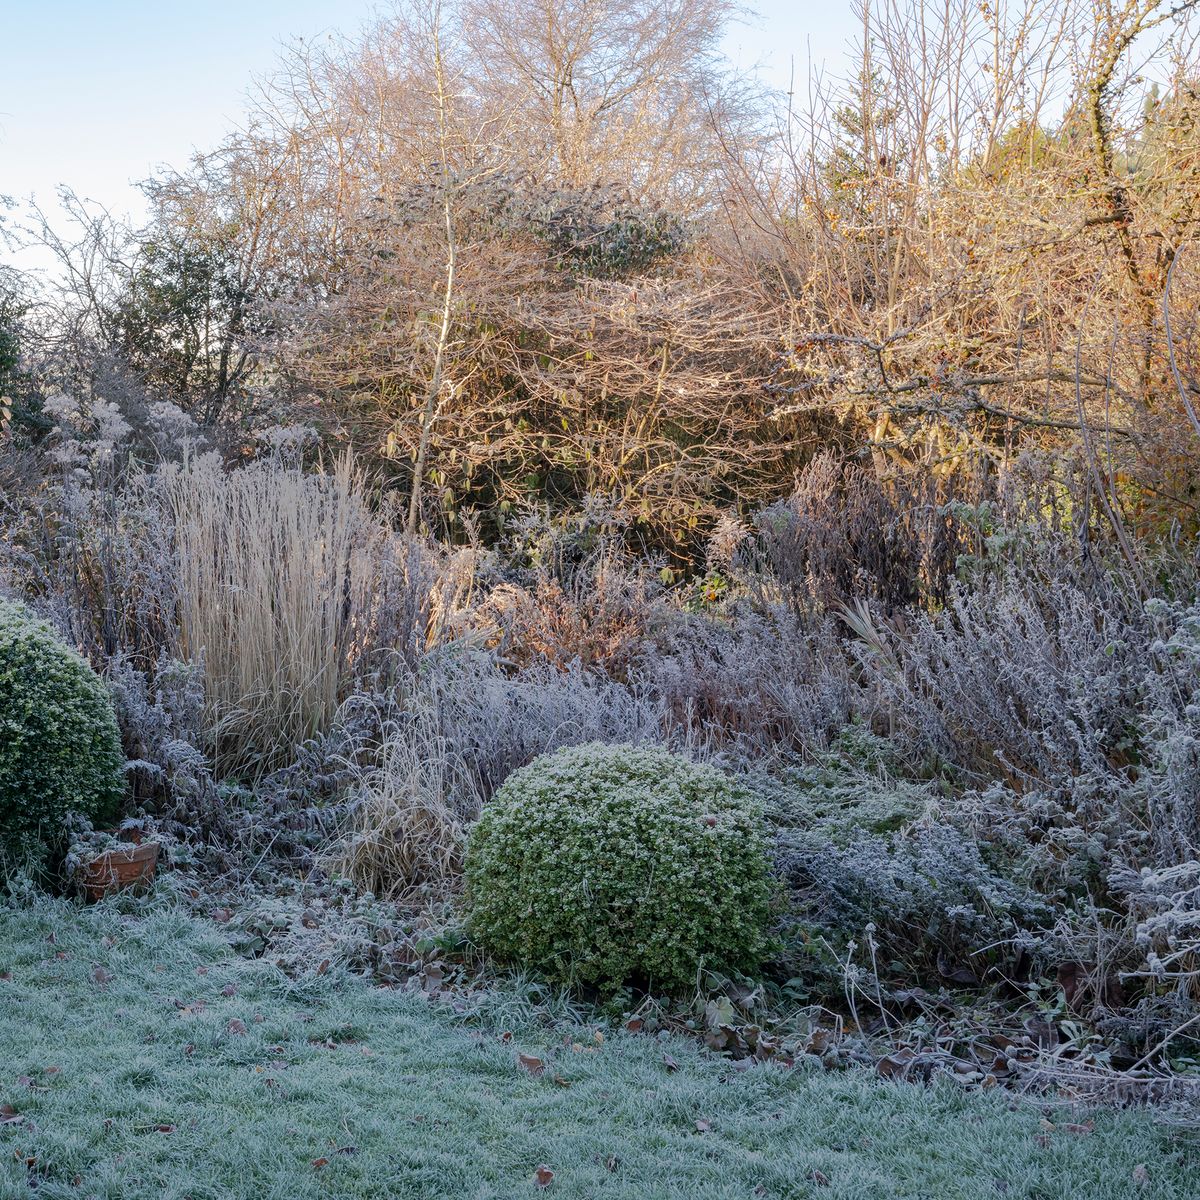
{"type": "Point", "coordinates": [97, 94]}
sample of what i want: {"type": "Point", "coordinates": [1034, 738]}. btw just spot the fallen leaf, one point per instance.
{"type": "Point", "coordinates": [703, 1126]}
{"type": "Point", "coordinates": [102, 977]}
{"type": "Point", "coordinates": [236, 1027]}
{"type": "Point", "coordinates": [1141, 1175]}
{"type": "Point", "coordinates": [895, 1066]}
{"type": "Point", "coordinates": [230, 989]}
{"type": "Point", "coordinates": [819, 1177]}
{"type": "Point", "coordinates": [543, 1176]}
{"type": "Point", "coordinates": [164, 1129]}
{"type": "Point", "coordinates": [533, 1065]}
{"type": "Point", "coordinates": [318, 1163]}
{"type": "Point", "coordinates": [8, 1114]}
{"type": "Point", "coordinates": [670, 1063]}
{"type": "Point", "coordinates": [635, 1025]}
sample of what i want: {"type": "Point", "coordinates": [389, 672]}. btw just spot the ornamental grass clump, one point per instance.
{"type": "Point", "coordinates": [615, 866]}
{"type": "Point", "coordinates": [60, 751]}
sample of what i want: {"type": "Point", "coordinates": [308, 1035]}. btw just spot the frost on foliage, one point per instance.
{"type": "Point", "coordinates": [1167, 901]}
{"type": "Point", "coordinates": [59, 747]}
{"type": "Point", "coordinates": [610, 865]}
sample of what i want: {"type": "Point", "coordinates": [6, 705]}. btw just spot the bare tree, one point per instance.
{"type": "Point", "coordinates": [972, 236]}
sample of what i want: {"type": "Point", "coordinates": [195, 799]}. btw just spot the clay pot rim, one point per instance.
{"type": "Point", "coordinates": [128, 851]}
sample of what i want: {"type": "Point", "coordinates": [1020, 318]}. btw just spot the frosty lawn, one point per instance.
{"type": "Point", "coordinates": [140, 1058]}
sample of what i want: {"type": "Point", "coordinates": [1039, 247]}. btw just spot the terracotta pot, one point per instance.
{"type": "Point", "coordinates": [117, 869]}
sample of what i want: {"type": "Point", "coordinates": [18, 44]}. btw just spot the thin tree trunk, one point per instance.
{"type": "Point", "coordinates": [434, 391]}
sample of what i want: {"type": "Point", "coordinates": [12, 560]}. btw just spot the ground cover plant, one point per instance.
{"type": "Point", "coordinates": [708, 589]}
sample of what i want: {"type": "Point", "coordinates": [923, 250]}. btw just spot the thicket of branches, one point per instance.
{"type": "Point", "coordinates": [527, 256]}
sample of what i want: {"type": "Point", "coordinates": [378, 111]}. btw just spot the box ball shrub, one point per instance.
{"type": "Point", "coordinates": [60, 751]}
{"type": "Point", "coordinates": [614, 865]}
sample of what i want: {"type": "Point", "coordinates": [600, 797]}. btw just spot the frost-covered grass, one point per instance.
{"type": "Point", "coordinates": [142, 1058]}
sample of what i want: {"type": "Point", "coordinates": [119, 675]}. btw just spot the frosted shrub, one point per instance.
{"type": "Point", "coordinates": [610, 865]}
{"type": "Point", "coordinates": [1035, 682]}
{"type": "Point", "coordinates": [756, 683]}
{"type": "Point", "coordinates": [935, 906]}
{"type": "Point", "coordinates": [59, 747]}
{"type": "Point", "coordinates": [499, 720]}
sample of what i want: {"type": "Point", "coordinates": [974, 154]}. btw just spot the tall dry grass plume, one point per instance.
{"type": "Point", "coordinates": [276, 569]}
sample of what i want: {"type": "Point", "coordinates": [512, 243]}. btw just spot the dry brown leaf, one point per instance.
{"type": "Point", "coordinates": [543, 1176]}
{"type": "Point", "coordinates": [532, 1064]}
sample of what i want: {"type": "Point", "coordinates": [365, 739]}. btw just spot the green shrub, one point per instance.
{"type": "Point", "coordinates": [610, 865]}
{"type": "Point", "coordinates": [60, 751]}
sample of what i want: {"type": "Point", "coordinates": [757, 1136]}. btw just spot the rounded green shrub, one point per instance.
{"type": "Point", "coordinates": [614, 865]}
{"type": "Point", "coordinates": [60, 751]}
